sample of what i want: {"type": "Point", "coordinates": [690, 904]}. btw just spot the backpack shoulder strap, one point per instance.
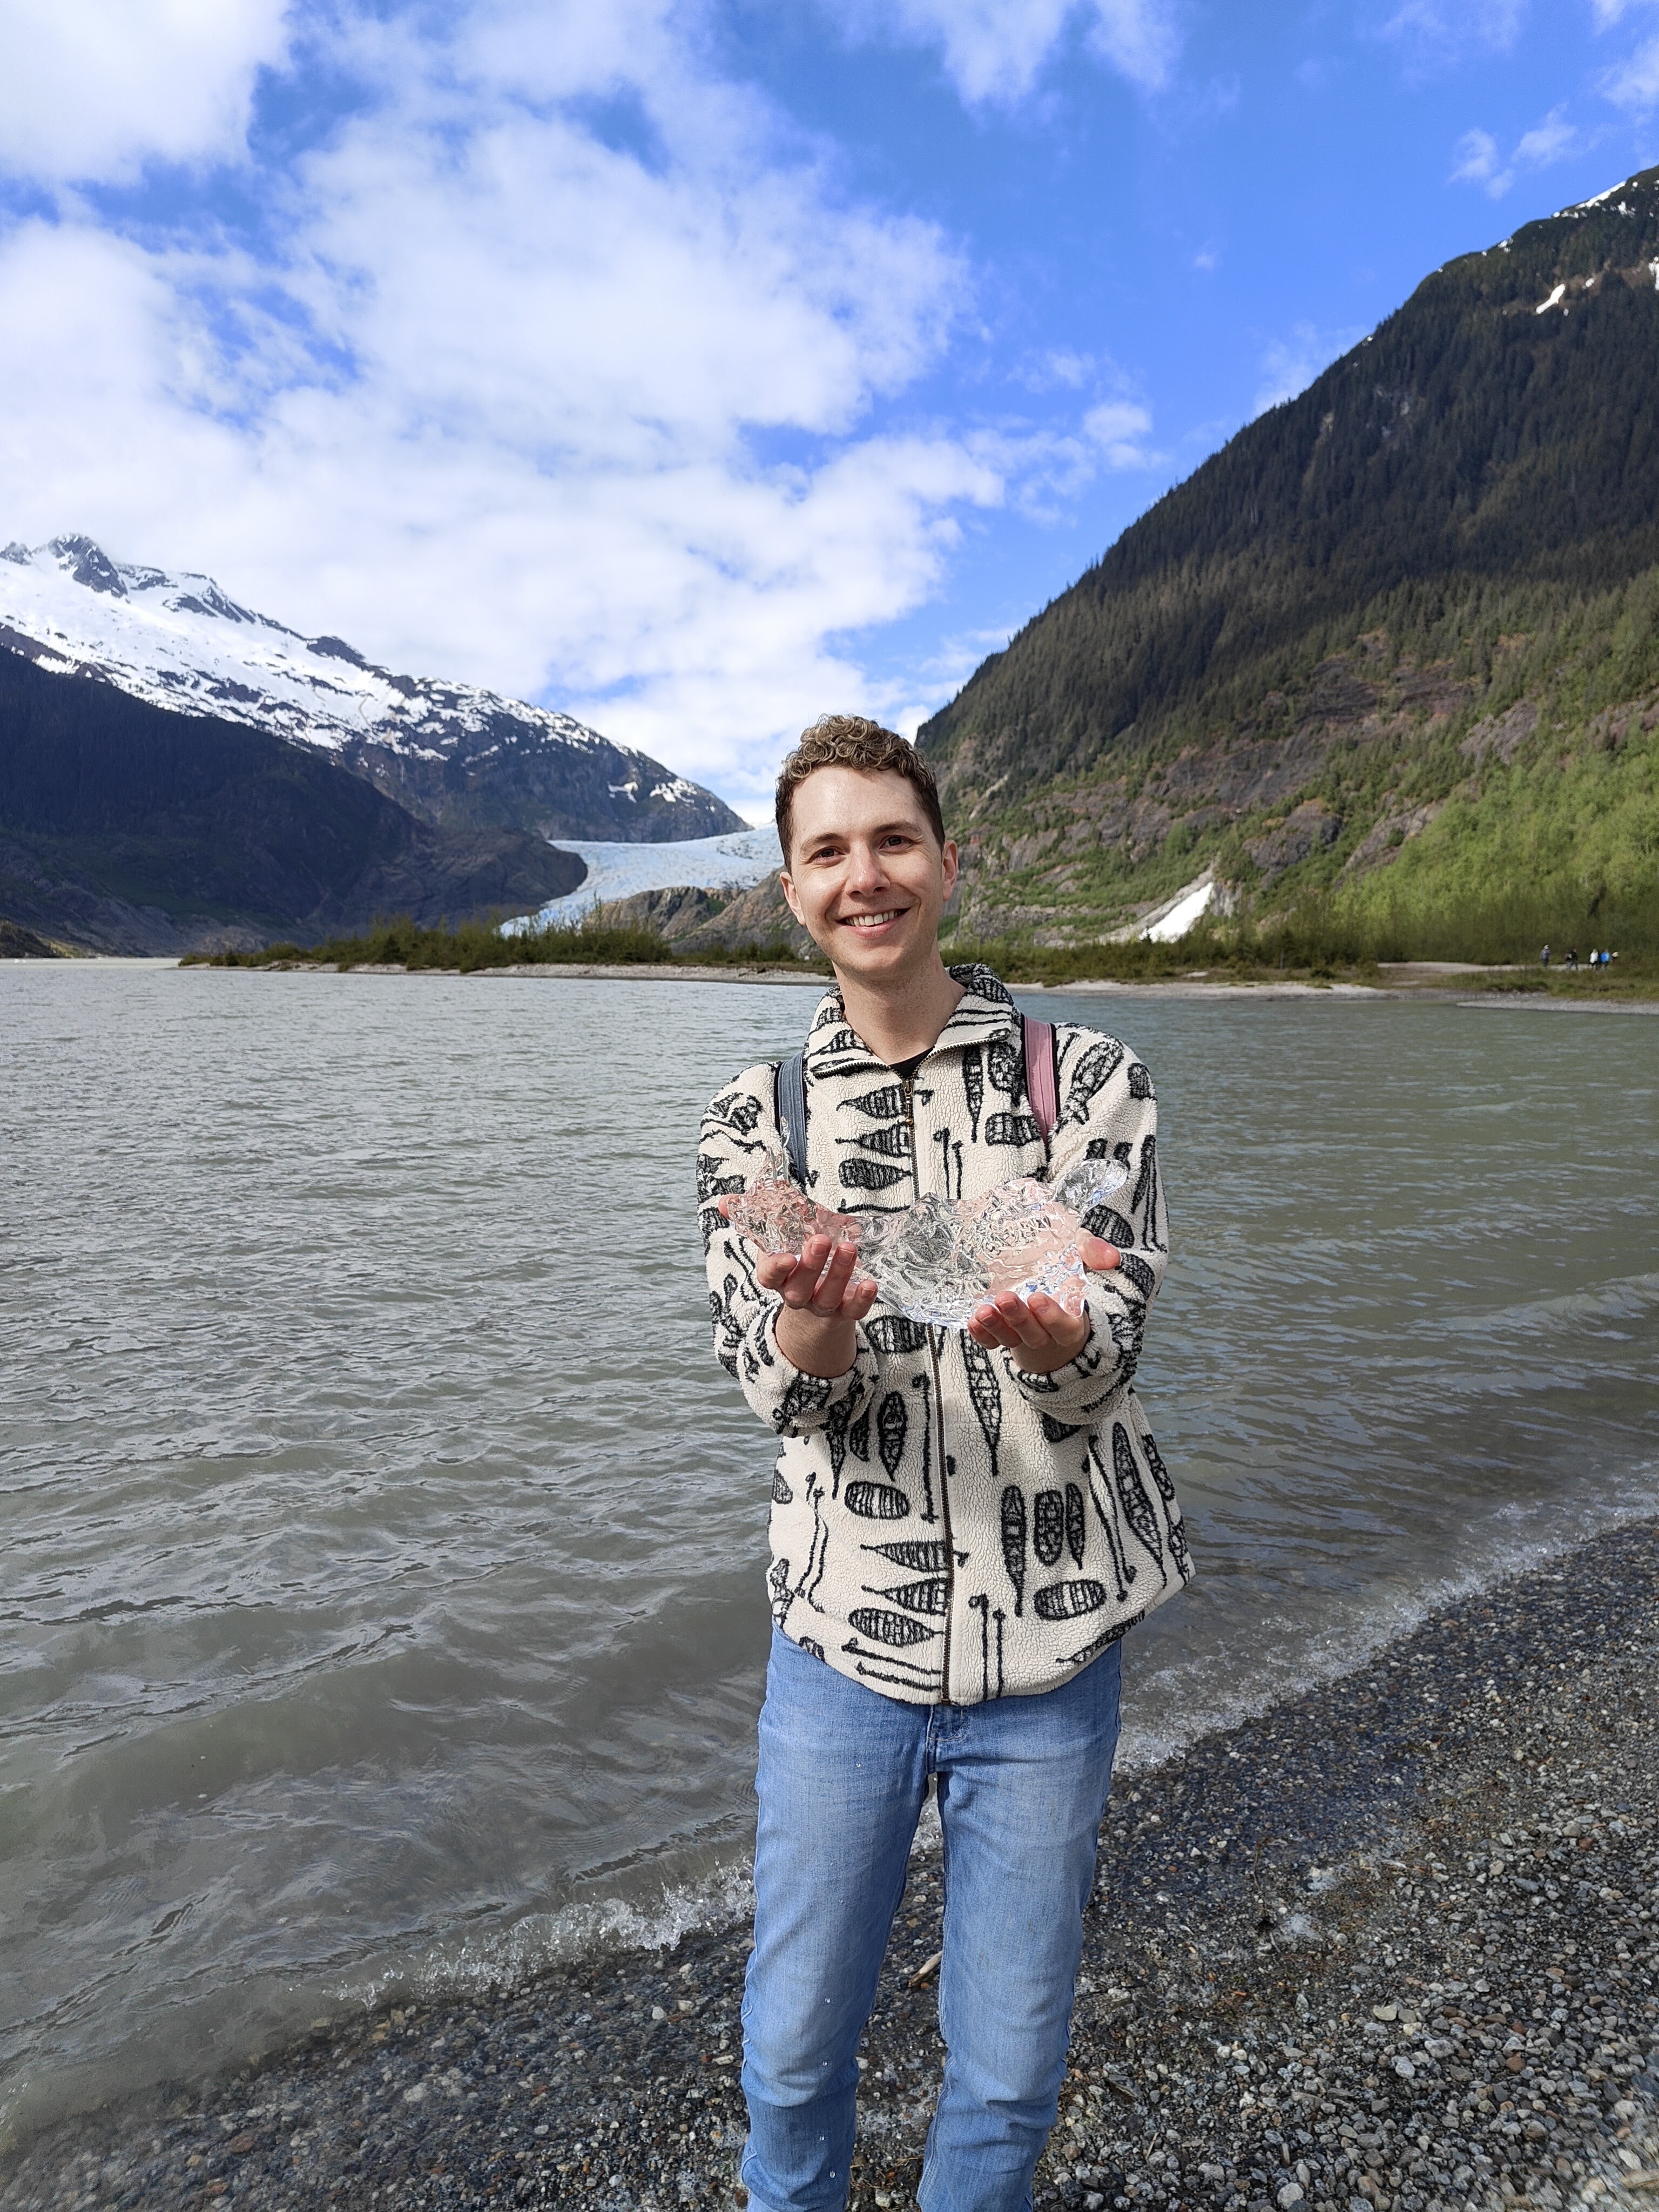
{"type": "Point", "coordinates": [789, 1098]}
{"type": "Point", "coordinates": [1042, 1076]}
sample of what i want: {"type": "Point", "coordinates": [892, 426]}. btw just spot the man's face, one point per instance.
{"type": "Point", "coordinates": [864, 876]}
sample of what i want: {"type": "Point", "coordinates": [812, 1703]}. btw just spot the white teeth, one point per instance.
{"type": "Point", "coordinates": [871, 921]}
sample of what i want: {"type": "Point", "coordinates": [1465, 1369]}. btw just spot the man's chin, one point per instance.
{"type": "Point", "coordinates": [875, 962]}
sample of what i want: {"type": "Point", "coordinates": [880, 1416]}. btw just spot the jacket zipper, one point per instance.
{"type": "Point", "coordinates": [938, 1416]}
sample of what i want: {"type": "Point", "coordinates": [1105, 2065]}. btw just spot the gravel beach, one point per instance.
{"type": "Point", "coordinates": [1388, 1948]}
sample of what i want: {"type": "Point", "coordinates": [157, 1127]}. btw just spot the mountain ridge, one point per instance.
{"type": "Point", "coordinates": [1296, 669]}
{"type": "Point", "coordinates": [454, 754]}
{"type": "Point", "coordinates": [125, 828]}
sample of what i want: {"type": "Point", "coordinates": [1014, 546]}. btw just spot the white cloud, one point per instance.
{"type": "Point", "coordinates": [1063, 367]}
{"type": "Point", "coordinates": [1553, 140]}
{"type": "Point", "coordinates": [1043, 471]}
{"type": "Point", "coordinates": [994, 51]}
{"type": "Point", "coordinates": [93, 89]}
{"type": "Point", "coordinates": [1477, 160]}
{"type": "Point", "coordinates": [1290, 365]}
{"type": "Point", "coordinates": [1121, 429]}
{"type": "Point", "coordinates": [1633, 83]}
{"type": "Point", "coordinates": [991, 49]}
{"type": "Point", "coordinates": [1138, 37]}
{"type": "Point", "coordinates": [1441, 30]}
{"type": "Point", "coordinates": [598, 419]}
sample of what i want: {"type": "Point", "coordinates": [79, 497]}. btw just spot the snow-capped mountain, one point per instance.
{"type": "Point", "coordinates": [450, 752]}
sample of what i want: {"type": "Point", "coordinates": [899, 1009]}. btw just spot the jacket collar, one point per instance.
{"type": "Point", "coordinates": [984, 1014]}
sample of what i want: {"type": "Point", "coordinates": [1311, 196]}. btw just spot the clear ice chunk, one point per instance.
{"type": "Point", "coordinates": [775, 1213]}
{"type": "Point", "coordinates": [942, 1258]}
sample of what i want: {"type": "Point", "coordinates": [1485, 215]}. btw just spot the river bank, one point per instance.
{"type": "Point", "coordinates": [1454, 982]}
{"type": "Point", "coordinates": [1390, 1946]}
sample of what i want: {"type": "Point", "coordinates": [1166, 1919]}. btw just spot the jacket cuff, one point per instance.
{"type": "Point", "coordinates": [799, 1404]}
{"type": "Point", "coordinates": [1082, 1385]}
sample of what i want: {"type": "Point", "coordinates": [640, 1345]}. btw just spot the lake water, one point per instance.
{"type": "Point", "coordinates": [383, 1549]}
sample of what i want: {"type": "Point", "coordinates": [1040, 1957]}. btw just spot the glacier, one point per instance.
{"type": "Point", "coordinates": [735, 862]}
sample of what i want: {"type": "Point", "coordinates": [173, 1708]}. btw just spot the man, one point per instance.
{"type": "Point", "coordinates": [965, 1524]}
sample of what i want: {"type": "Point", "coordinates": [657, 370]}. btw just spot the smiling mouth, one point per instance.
{"type": "Point", "coordinates": [872, 920]}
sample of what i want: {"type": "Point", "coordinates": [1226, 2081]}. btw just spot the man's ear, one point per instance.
{"type": "Point", "coordinates": [951, 865]}
{"type": "Point", "coordinates": [789, 894]}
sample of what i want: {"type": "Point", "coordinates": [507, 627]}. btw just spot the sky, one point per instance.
{"type": "Point", "coordinates": [700, 367]}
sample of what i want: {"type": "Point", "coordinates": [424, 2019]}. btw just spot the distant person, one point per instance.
{"type": "Point", "coordinates": [1572, 957]}
{"type": "Point", "coordinates": [965, 1524]}
{"type": "Point", "coordinates": [1544, 960]}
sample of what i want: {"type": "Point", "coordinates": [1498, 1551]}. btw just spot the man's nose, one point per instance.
{"type": "Point", "coordinates": [866, 872]}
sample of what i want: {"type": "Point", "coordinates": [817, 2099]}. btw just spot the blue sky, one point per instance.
{"type": "Point", "coordinates": [701, 367]}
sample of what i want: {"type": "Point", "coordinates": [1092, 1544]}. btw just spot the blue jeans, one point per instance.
{"type": "Point", "coordinates": [843, 1772]}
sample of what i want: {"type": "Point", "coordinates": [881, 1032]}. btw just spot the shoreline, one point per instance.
{"type": "Point", "coordinates": [1390, 1947]}
{"type": "Point", "coordinates": [1453, 988]}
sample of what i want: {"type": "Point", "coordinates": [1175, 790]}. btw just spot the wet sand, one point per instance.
{"type": "Point", "coordinates": [1390, 1948]}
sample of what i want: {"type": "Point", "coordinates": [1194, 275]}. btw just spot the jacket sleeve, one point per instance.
{"type": "Point", "coordinates": [738, 1130]}
{"type": "Point", "coordinates": [1108, 1109]}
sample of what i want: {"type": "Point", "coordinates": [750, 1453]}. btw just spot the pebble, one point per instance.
{"type": "Point", "coordinates": [1390, 1948]}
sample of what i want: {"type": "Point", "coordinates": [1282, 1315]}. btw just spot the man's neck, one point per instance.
{"type": "Point", "coordinates": [898, 1021]}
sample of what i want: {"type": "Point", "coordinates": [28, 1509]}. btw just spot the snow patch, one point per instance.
{"type": "Point", "coordinates": [1164, 924]}
{"type": "Point", "coordinates": [1176, 921]}
{"type": "Point", "coordinates": [1553, 300]}
{"type": "Point", "coordinates": [1601, 197]}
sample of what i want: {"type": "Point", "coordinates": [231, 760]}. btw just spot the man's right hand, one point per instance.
{"type": "Point", "coordinates": [824, 1300]}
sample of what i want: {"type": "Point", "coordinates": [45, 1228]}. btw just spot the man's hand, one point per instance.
{"type": "Point", "coordinates": [823, 1301]}
{"type": "Point", "coordinates": [1038, 1331]}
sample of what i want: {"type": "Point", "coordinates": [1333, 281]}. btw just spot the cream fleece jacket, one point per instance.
{"type": "Point", "coordinates": [947, 1527]}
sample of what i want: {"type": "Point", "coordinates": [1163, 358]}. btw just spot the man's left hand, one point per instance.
{"type": "Point", "coordinates": [1038, 1331]}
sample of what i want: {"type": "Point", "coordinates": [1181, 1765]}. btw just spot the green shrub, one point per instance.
{"type": "Point", "coordinates": [474, 945]}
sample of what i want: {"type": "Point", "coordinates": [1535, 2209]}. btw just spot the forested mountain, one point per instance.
{"type": "Point", "coordinates": [1398, 639]}
{"type": "Point", "coordinates": [128, 829]}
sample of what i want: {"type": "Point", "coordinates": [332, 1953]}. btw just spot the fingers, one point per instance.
{"type": "Point", "coordinates": [1039, 1331]}
{"type": "Point", "coordinates": [774, 1269]}
{"type": "Point", "coordinates": [820, 1281]}
{"type": "Point", "coordinates": [1007, 1322]}
{"type": "Point", "coordinates": [1096, 1253]}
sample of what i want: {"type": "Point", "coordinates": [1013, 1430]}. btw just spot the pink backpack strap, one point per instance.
{"type": "Point", "coordinates": [1040, 1084]}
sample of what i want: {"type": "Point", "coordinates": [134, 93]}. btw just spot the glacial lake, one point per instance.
{"type": "Point", "coordinates": [383, 1551]}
